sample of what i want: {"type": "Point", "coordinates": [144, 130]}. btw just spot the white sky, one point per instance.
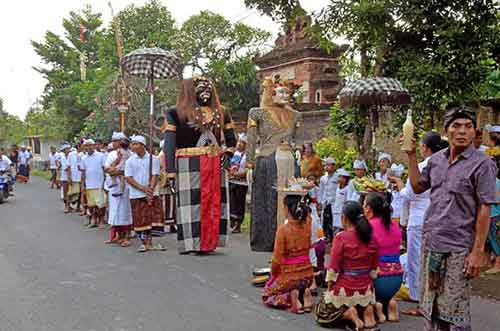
{"type": "Point", "coordinates": [25, 20]}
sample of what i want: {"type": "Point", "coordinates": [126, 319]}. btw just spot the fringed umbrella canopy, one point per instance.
{"type": "Point", "coordinates": [374, 91]}
{"type": "Point", "coordinates": [155, 63]}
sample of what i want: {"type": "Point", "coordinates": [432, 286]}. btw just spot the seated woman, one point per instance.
{"type": "Point", "coordinates": [352, 266]}
{"type": "Point", "coordinates": [291, 270]}
{"type": "Point", "coordinates": [377, 209]}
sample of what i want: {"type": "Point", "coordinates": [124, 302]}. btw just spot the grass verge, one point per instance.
{"type": "Point", "coordinates": [41, 173]}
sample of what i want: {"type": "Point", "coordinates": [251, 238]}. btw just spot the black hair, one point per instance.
{"type": "Point", "coordinates": [381, 207]}
{"type": "Point", "coordinates": [434, 142]}
{"type": "Point", "coordinates": [124, 144]}
{"type": "Point", "coordinates": [354, 213]}
{"type": "Point", "coordinates": [298, 206]}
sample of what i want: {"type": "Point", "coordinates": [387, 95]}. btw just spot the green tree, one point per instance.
{"type": "Point", "coordinates": [12, 129]}
{"type": "Point", "coordinates": [65, 94]}
{"type": "Point", "coordinates": [442, 51]}
{"type": "Point", "coordinates": [209, 37]}
{"type": "Point", "coordinates": [281, 11]}
{"type": "Point", "coordinates": [237, 83]}
{"type": "Point", "coordinates": [215, 47]}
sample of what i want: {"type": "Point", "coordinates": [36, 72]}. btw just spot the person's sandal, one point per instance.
{"type": "Point", "coordinates": [412, 312]}
{"type": "Point", "coordinates": [125, 243]}
{"type": "Point", "coordinates": [142, 249]}
{"type": "Point", "coordinates": [158, 248]}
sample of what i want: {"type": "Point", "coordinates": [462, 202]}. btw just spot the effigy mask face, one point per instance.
{"type": "Point", "coordinates": [203, 90]}
{"type": "Point", "coordinates": [281, 95]}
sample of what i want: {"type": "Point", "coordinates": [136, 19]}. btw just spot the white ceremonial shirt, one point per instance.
{"type": "Point", "coordinates": [384, 177]}
{"type": "Point", "coordinates": [418, 202]}
{"type": "Point", "coordinates": [52, 161]}
{"type": "Point", "coordinates": [24, 157]}
{"type": "Point", "coordinates": [74, 162]}
{"type": "Point", "coordinates": [341, 196]}
{"type": "Point", "coordinates": [138, 168]}
{"type": "Point", "coordinates": [93, 165]}
{"type": "Point", "coordinates": [63, 159]}
{"type": "Point", "coordinates": [112, 156]}
{"type": "Point", "coordinates": [327, 189]}
{"type": "Point", "coordinates": [5, 163]}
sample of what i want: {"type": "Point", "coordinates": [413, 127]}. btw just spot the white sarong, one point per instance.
{"type": "Point", "coordinates": [119, 212]}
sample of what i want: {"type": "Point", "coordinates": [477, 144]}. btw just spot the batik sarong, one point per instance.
{"type": "Point", "coordinates": [202, 200]}
{"type": "Point", "coordinates": [142, 214]}
{"type": "Point", "coordinates": [158, 222]}
{"type": "Point", "coordinates": [444, 290]}
{"type": "Point", "coordinates": [96, 198]}
{"type": "Point", "coordinates": [73, 192]}
{"type": "Point", "coordinates": [277, 294]}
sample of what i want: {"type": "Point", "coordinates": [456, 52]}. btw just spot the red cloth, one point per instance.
{"type": "Point", "coordinates": [210, 201]}
{"type": "Point", "coordinates": [350, 254]}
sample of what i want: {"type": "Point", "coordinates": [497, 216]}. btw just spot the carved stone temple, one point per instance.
{"type": "Point", "coordinates": [297, 58]}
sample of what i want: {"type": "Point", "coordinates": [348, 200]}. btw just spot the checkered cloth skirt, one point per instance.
{"type": "Point", "coordinates": [202, 201]}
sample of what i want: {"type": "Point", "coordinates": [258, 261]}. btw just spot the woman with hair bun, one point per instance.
{"type": "Point", "coordinates": [350, 273]}
{"type": "Point", "coordinates": [377, 209]}
{"type": "Point", "coordinates": [291, 270]}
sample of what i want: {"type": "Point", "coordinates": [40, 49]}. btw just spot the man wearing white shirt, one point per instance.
{"type": "Point", "coordinates": [24, 159]}
{"type": "Point", "coordinates": [65, 174]}
{"type": "Point", "coordinates": [146, 206]}
{"type": "Point", "coordinates": [93, 180]}
{"type": "Point", "coordinates": [327, 191]}
{"type": "Point", "coordinates": [53, 167]}
{"type": "Point", "coordinates": [384, 164]}
{"type": "Point", "coordinates": [119, 210]}
{"type": "Point", "coordinates": [74, 187]}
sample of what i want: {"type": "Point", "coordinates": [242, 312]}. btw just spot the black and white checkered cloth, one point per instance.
{"type": "Point", "coordinates": [165, 64]}
{"type": "Point", "coordinates": [374, 91]}
{"type": "Point", "coordinates": [189, 201]}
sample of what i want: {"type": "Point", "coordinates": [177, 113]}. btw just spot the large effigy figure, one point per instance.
{"type": "Point", "coordinates": [271, 129]}
{"type": "Point", "coordinates": [197, 131]}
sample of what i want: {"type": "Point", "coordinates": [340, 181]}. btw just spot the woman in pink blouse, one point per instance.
{"type": "Point", "coordinates": [377, 209]}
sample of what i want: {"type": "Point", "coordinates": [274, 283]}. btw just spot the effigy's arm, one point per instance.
{"type": "Point", "coordinates": [169, 130]}
{"type": "Point", "coordinates": [252, 136]}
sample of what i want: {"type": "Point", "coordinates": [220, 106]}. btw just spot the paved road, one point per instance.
{"type": "Point", "coordinates": [54, 275]}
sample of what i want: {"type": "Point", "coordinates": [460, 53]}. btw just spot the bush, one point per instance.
{"type": "Point", "coordinates": [335, 147]}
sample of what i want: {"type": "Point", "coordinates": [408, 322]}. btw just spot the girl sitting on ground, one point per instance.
{"type": "Point", "coordinates": [291, 268]}
{"type": "Point", "coordinates": [351, 296]}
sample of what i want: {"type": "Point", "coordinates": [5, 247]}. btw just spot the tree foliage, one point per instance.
{"type": "Point", "coordinates": [442, 51]}
{"type": "Point", "coordinates": [12, 129]}
{"type": "Point", "coordinates": [279, 10]}
{"type": "Point", "coordinates": [208, 42]}
{"type": "Point", "coordinates": [209, 38]}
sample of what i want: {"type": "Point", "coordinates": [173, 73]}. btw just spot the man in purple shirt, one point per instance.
{"type": "Point", "coordinates": [462, 184]}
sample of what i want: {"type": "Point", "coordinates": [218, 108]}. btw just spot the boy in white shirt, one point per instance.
{"type": "Point", "coordinates": [146, 206]}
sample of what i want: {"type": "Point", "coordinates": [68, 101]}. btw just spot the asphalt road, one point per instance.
{"type": "Point", "coordinates": [55, 275]}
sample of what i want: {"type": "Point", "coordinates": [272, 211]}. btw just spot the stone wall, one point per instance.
{"type": "Point", "coordinates": [312, 127]}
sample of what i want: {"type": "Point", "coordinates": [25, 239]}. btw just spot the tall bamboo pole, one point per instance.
{"type": "Point", "coordinates": [123, 95]}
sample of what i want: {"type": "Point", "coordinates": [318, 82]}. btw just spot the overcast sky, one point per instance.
{"type": "Point", "coordinates": [25, 20]}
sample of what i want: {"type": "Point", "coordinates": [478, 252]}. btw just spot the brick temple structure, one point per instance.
{"type": "Point", "coordinates": [297, 58]}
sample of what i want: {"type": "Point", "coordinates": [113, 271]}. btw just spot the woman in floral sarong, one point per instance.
{"type": "Point", "coordinates": [350, 274]}
{"type": "Point", "coordinates": [291, 271]}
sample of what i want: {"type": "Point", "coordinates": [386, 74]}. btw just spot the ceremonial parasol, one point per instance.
{"type": "Point", "coordinates": [374, 91]}
{"type": "Point", "coordinates": [151, 64]}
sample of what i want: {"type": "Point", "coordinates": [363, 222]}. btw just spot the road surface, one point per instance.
{"type": "Point", "coordinates": [56, 275]}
